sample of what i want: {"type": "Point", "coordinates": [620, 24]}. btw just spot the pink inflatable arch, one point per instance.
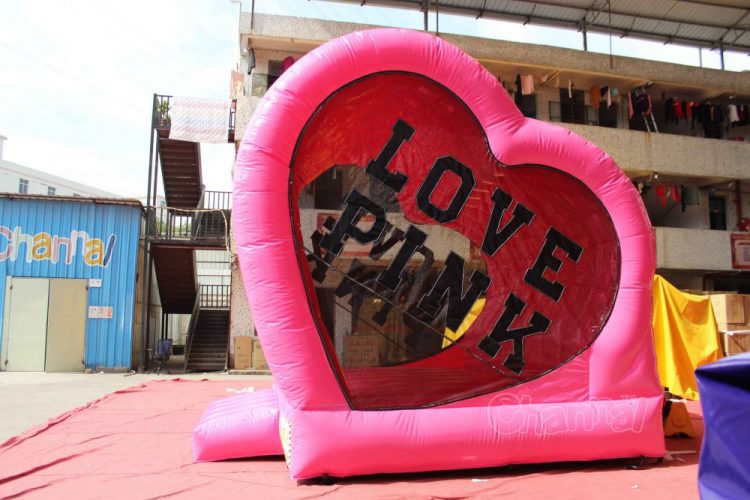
{"type": "Point", "coordinates": [437, 281]}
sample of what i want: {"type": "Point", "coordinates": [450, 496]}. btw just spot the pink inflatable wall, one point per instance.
{"type": "Point", "coordinates": [451, 183]}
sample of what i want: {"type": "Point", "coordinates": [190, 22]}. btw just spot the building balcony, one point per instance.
{"type": "Point", "coordinates": [637, 153]}
{"type": "Point", "coordinates": [693, 249]}
{"type": "Point", "coordinates": [300, 35]}
{"type": "Point", "coordinates": [206, 226]}
{"type": "Point", "coordinates": [640, 153]}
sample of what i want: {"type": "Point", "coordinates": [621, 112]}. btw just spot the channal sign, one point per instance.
{"type": "Point", "coordinates": [388, 191]}
{"type": "Point", "coordinates": [43, 246]}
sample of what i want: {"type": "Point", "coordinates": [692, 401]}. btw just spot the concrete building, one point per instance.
{"type": "Point", "coordinates": [15, 178]}
{"type": "Point", "coordinates": [696, 189]}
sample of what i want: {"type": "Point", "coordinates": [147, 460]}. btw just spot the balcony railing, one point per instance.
{"type": "Point", "coordinates": [174, 224]}
{"type": "Point", "coordinates": [214, 296]}
{"type": "Point", "coordinates": [209, 222]}
{"type": "Point", "coordinates": [163, 121]}
{"type": "Point", "coordinates": [220, 200]}
{"type": "Point", "coordinates": [699, 249]}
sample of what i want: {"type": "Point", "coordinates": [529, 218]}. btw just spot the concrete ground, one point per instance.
{"type": "Point", "coordinates": [28, 399]}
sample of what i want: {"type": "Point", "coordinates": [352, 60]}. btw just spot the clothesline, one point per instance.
{"type": "Point", "coordinates": [714, 118]}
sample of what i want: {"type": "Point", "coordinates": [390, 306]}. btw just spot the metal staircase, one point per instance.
{"type": "Point", "coordinates": [175, 276]}
{"type": "Point", "coordinates": [193, 219]}
{"type": "Point", "coordinates": [208, 341]}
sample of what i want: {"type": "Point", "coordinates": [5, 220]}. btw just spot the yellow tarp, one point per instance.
{"type": "Point", "coordinates": [685, 337]}
{"type": "Point", "coordinates": [451, 336]}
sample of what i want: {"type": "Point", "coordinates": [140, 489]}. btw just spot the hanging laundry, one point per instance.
{"type": "Point", "coordinates": [286, 64]}
{"type": "Point", "coordinates": [595, 95]}
{"type": "Point", "coordinates": [527, 84]}
{"type": "Point", "coordinates": [689, 111]}
{"type": "Point", "coordinates": [678, 113]}
{"type": "Point", "coordinates": [570, 89]}
{"type": "Point", "coordinates": [236, 85]}
{"type": "Point", "coordinates": [250, 61]}
{"type": "Point", "coordinates": [698, 111]}
{"type": "Point", "coordinates": [669, 111]}
{"type": "Point", "coordinates": [641, 103]}
{"type": "Point", "coordinates": [675, 194]}
{"type": "Point", "coordinates": [706, 114]}
{"type": "Point", "coordinates": [732, 116]}
{"type": "Point", "coordinates": [630, 106]}
{"type": "Point", "coordinates": [662, 193]}
{"type": "Point", "coordinates": [517, 96]}
{"type": "Point", "coordinates": [683, 205]}
{"type": "Point", "coordinates": [712, 127]}
{"type": "Point", "coordinates": [198, 119]}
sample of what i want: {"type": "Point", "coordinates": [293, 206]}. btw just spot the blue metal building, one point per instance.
{"type": "Point", "coordinates": [68, 270]}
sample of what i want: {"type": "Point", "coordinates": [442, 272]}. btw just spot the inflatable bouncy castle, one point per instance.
{"type": "Point", "coordinates": [437, 281]}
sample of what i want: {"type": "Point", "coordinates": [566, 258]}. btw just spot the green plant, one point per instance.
{"type": "Point", "coordinates": [162, 111]}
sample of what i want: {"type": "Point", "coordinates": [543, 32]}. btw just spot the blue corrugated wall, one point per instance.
{"type": "Point", "coordinates": [108, 251]}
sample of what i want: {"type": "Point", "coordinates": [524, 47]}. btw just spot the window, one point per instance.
{"type": "Point", "coordinates": [262, 81]}
{"type": "Point", "coordinates": [274, 71]}
{"type": "Point", "coordinates": [51, 191]}
{"type": "Point", "coordinates": [23, 186]}
{"type": "Point", "coordinates": [527, 105]}
{"type": "Point", "coordinates": [573, 107]}
{"type": "Point", "coordinates": [717, 212]}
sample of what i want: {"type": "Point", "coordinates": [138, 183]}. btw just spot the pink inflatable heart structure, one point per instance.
{"type": "Point", "coordinates": [437, 281]}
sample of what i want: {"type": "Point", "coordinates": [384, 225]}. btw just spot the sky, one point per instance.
{"type": "Point", "coordinates": [77, 78]}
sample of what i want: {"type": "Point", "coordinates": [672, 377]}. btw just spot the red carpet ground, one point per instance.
{"type": "Point", "coordinates": [136, 443]}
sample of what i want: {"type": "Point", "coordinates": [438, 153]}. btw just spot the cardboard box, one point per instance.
{"type": "Point", "coordinates": [729, 308]}
{"type": "Point", "coordinates": [243, 353]}
{"type": "Point", "coordinates": [735, 342]}
{"type": "Point", "coordinates": [728, 326]}
{"type": "Point", "coordinates": [259, 359]}
{"type": "Point", "coordinates": [361, 350]}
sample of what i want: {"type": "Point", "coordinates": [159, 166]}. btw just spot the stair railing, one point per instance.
{"type": "Point", "coordinates": [193, 323]}
{"type": "Point", "coordinates": [205, 227]}
{"type": "Point", "coordinates": [198, 217]}
{"type": "Point", "coordinates": [215, 296]}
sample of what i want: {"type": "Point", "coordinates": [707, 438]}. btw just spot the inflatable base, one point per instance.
{"type": "Point", "coordinates": [347, 443]}
{"type": "Point", "coordinates": [246, 425]}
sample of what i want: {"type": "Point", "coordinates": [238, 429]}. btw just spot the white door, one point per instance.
{"type": "Point", "coordinates": [26, 331]}
{"type": "Point", "coordinates": [66, 326]}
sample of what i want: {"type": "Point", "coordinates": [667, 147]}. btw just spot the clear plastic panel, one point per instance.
{"type": "Point", "coordinates": [435, 272]}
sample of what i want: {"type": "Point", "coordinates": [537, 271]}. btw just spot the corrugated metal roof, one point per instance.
{"type": "Point", "coordinates": [78, 199]}
{"type": "Point", "coordinates": [701, 23]}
